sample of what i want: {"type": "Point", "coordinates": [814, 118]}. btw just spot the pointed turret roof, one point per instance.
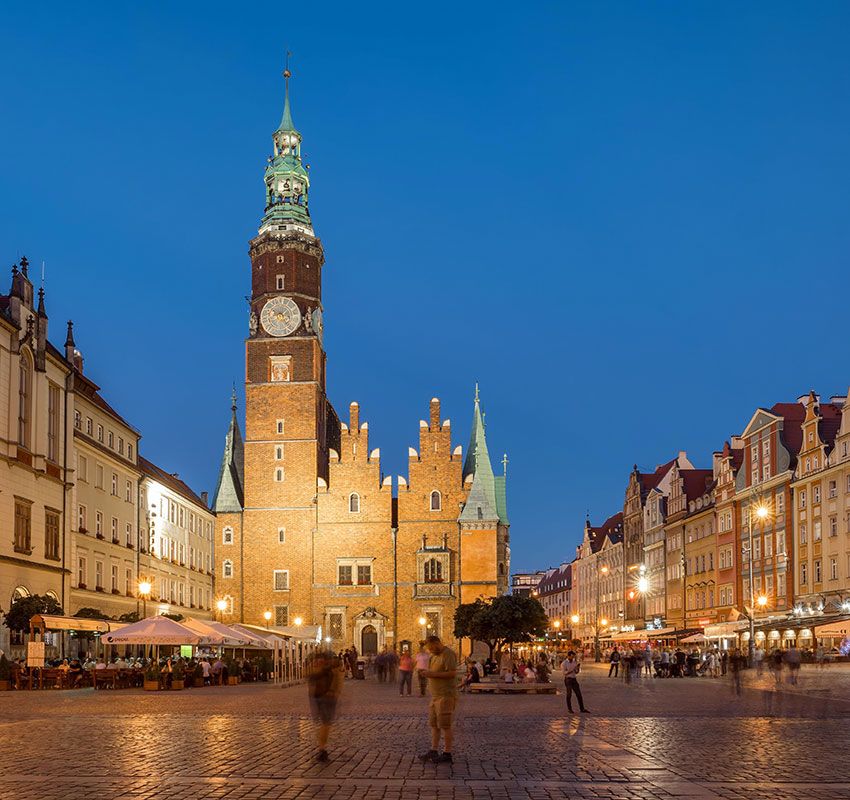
{"type": "Point", "coordinates": [286, 123]}
{"type": "Point", "coordinates": [483, 503]}
{"type": "Point", "coordinates": [228, 497]}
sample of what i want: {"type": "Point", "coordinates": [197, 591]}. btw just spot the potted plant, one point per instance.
{"type": "Point", "coordinates": [5, 674]}
{"type": "Point", "coordinates": [178, 675]}
{"type": "Point", "coordinates": [151, 683]}
{"type": "Point", "coordinates": [232, 672]}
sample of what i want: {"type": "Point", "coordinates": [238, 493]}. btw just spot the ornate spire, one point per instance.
{"type": "Point", "coordinates": [228, 497]}
{"type": "Point", "coordinates": [286, 179]}
{"type": "Point", "coordinates": [69, 339]}
{"type": "Point", "coordinates": [41, 310]}
{"type": "Point", "coordinates": [286, 120]}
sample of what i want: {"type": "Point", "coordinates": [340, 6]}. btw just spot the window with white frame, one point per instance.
{"type": "Point", "coordinates": [281, 535]}
{"type": "Point", "coordinates": [281, 580]}
{"type": "Point", "coordinates": [279, 426]}
{"type": "Point", "coordinates": [82, 521]}
{"type": "Point", "coordinates": [227, 568]}
{"type": "Point", "coordinates": [278, 475]}
{"type": "Point", "coordinates": [227, 535]}
{"type": "Point", "coordinates": [278, 452]}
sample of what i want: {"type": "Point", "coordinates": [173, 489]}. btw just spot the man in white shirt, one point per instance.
{"type": "Point", "coordinates": [570, 669]}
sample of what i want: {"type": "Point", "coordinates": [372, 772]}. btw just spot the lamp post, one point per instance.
{"type": "Point", "coordinates": [145, 593]}
{"type": "Point", "coordinates": [298, 622]}
{"type": "Point", "coordinates": [597, 655]}
{"type": "Point", "coordinates": [267, 616]}
{"type": "Point", "coordinates": [762, 514]}
{"type": "Point", "coordinates": [221, 605]}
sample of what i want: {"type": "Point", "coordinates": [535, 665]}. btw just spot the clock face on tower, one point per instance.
{"type": "Point", "coordinates": [280, 316]}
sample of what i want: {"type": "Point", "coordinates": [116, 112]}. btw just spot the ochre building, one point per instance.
{"type": "Point", "coordinates": [309, 531]}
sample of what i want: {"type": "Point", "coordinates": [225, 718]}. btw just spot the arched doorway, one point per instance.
{"type": "Point", "coordinates": [369, 641]}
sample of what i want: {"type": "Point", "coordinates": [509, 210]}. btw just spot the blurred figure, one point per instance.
{"type": "Point", "coordinates": [324, 683]}
{"type": "Point", "coordinates": [793, 659]}
{"type": "Point", "coordinates": [737, 662]}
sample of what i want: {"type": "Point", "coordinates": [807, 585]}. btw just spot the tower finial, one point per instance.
{"type": "Point", "coordinates": [476, 393]}
{"type": "Point", "coordinates": [69, 339]}
{"type": "Point", "coordinates": [286, 123]}
{"type": "Point", "coordinates": [505, 464]}
{"type": "Point", "coordinates": [233, 399]}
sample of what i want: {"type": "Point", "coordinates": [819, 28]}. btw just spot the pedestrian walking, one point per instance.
{"type": "Point", "coordinates": [405, 670]}
{"type": "Point", "coordinates": [423, 657]}
{"type": "Point", "coordinates": [614, 659]}
{"type": "Point", "coordinates": [570, 669]}
{"type": "Point", "coordinates": [758, 657]}
{"type": "Point", "coordinates": [647, 660]}
{"type": "Point", "coordinates": [324, 682]}
{"type": "Point", "coordinates": [737, 662]}
{"type": "Point", "coordinates": [442, 683]}
{"type": "Point", "coordinates": [793, 659]}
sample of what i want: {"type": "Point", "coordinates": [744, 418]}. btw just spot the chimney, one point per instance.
{"type": "Point", "coordinates": [205, 496]}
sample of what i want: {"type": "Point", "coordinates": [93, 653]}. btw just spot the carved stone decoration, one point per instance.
{"type": "Point", "coordinates": [253, 323]}
{"type": "Point", "coordinates": [280, 369]}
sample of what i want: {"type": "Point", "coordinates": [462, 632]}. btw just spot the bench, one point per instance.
{"type": "Point", "coordinates": [500, 687]}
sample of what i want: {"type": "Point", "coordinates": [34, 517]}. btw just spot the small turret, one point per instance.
{"type": "Point", "coordinates": [70, 347]}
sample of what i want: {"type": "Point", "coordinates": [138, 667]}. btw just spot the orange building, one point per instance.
{"type": "Point", "coordinates": [309, 530]}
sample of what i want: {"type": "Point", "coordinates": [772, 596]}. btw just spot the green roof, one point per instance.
{"type": "Point", "coordinates": [481, 505]}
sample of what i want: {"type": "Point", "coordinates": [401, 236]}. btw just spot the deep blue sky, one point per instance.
{"type": "Point", "coordinates": [628, 221]}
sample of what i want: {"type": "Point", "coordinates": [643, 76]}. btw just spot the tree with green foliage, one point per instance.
{"type": "Point", "coordinates": [86, 612]}
{"type": "Point", "coordinates": [499, 621]}
{"type": "Point", "coordinates": [24, 608]}
{"type": "Point", "coordinates": [175, 617]}
{"type": "Point", "coordinates": [130, 616]}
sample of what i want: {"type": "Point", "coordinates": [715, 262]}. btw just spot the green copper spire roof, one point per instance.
{"type": "Point", "coordinates": [286, 120]}
{"type": "Point", "coordinates": [228, 496]}
{"type": "Point", "coordinates": [287, 181]}
{"type": "Point", "coordinates": [482, 503]}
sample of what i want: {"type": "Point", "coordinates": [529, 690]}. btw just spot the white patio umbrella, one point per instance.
{"type": "Point", "coordinates": [155, 630]}
{"type": "Point", "coordinates": [216, 633]}
{"type": "Point", "coordinates": [696, 638]}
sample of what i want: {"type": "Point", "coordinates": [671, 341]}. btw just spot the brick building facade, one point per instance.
{"type": "Point", "coordinates": [308, 527]}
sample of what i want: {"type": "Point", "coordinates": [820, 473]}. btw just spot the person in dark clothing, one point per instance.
{"type": "Point", "coordinates": [570, 669]}
{"type": "Point", "coordinates": [324, 682]}
{"type": "Point", "coordinates": [614, 669]}
{"type": "Point", "coordinates": [736, 664]}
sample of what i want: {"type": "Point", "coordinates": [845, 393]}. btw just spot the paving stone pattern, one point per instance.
{"type": "Point", "coordinates": [650, 739]}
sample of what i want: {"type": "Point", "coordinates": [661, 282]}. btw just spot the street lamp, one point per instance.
{"type": "Point", "coordinates": [762, 513]}
{"type": "Point", "coordinates": [597, 654]}
{"type": "Point", "coordinates": [267, 615]}
{"type": "Point", "coordinates": [298, 622]}
{"type": "Point", "coordinates": [145, 588]}
{"type": "Point", "coordinates": [556, 624]}
{"type": "Point", "coordinates": [221, 605]}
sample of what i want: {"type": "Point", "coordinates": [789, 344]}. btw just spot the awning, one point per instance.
{"type": "Point", "coordinates": [629, 636]}
{"type": "Point", "coordinates": [697, 638]}
{"type": "Point", "coordinates": [655, 634]}
{"type": "Point", "coordinates": [833, 629]}
{"type": "Point", "coordinates": [52, 622]}
{"type": "Point", "coordinates": [722, 630]}
{"type": "Point", "coordinates": [213, 631]}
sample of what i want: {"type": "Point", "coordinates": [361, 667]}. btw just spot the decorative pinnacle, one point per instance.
{"type": "Point", "coordinates": [24, 265]}
{"type": "Point", "coordinates": [476, 393]}
{"type": "Point", "coordinates": [233, 399]}
{"type": "Point", "coordinates": [69, 339]}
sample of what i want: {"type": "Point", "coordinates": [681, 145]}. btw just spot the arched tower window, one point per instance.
{"type": "Point", "coordinates": [24, 401]}
{"type": "Point", "coordinates": [433, 571]}
{"type": "Point", "coordinates": [354, 503]}
{"type": "Point", "coordinates": [436, 501]}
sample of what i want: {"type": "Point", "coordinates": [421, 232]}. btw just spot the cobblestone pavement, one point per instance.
{"type": "Point", "coordinates": [689, 738]}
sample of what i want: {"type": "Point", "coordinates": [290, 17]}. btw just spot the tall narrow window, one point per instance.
{"type": "Point", "coordinates": [227, 535]}
{"type": "Point", "coordinates": [53, 423]}
{"type": "Point", "coordinates": [51, 535]}
{"type": "Point", "coordinates": [436, 501]}
{"type": "Point", "coordinates": [23, 526]}
{"type": "Point", "coordinates": [24, 392]}
{"type": "Point", "coordinates": [227, 569]}
{"type": "Point", "coordinates": [354, 503]}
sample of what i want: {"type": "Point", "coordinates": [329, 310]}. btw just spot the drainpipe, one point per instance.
{"type": "Point", "coordinates": [395, 588]}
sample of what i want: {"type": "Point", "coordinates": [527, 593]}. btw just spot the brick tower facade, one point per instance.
{"type": "Point", "coordinates": [309, 530]}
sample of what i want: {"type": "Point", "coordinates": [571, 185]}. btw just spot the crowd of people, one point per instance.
{"type": "Point", "coordinates": [203, 669]}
